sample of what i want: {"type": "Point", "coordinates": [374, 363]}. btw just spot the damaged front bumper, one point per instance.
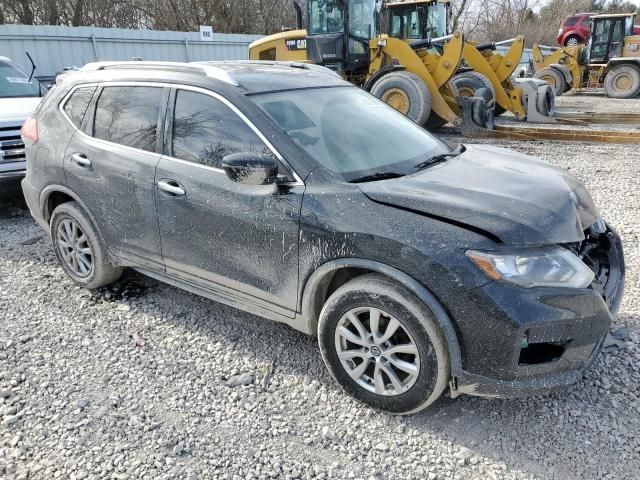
{"type": "Point", "coordinates": [542, 339]}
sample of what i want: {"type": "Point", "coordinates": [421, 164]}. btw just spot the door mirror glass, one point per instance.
{"type": "Point", "coordinates": [250, 168]}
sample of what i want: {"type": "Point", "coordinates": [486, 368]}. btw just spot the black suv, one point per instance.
{"type": "Point", "coordinates": [282, 190]}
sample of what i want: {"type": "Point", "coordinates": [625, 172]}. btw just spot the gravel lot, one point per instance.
{"type": "Point", "coordinates": [142, 380]}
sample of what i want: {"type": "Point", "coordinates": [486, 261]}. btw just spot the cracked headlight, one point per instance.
{"type": "Point", "coordinates": [534, 267]}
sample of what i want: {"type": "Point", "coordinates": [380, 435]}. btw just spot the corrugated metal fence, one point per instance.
{"type": "Point", "coordinates": [54, 48]}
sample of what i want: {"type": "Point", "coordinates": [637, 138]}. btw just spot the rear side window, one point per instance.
{"type": "Point", "coordinates": [571, 21]}
{"type": "Point", "coordinates": [77, 104]}
{"type": "Point", "coordinates": [205, 130]}
{"type": "Point", "coordinates": [128, 116]}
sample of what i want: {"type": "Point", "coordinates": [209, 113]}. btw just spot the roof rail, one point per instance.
{"type": "Point", "coordinates": [202, 68]}
{"type": "Point", "coordinates": [300, 65]}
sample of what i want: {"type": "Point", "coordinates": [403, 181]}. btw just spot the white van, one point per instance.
{"type": "Point", "coordinates": [19, 96]}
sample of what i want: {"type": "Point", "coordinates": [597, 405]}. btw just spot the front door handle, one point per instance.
{"type": "Point", "coordinates": [81, 159]}
{"type": "Point", "coordinates": [172, 187]}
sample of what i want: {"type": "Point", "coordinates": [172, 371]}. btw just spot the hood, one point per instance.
{"type": "Point", "coordinates": [520, 200]}
{"type": "Point", "coordinates": [17, 110]}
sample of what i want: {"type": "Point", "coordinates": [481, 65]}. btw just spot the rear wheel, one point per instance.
{"type": "Point", "coordinates": [554, 78]}
{"type": "Point", "coordinates": [571, 41]}
{"type": "Point", "coordinates": [623, 81]}
{"type": "Point", "coordinates": [383, 346]}
{"type": "Point", "coordinates": [79, 249]}
{"type": "Point", "coordinates": [406, 92]}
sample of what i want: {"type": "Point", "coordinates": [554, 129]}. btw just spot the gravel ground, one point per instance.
{"type": "Point", "coordinates": [142, 380]}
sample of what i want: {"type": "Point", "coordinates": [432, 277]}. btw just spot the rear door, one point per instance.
{"type": "Point", "coordinates": [110, 163]}
{"type": "Point", "coordinates": [239, 240]}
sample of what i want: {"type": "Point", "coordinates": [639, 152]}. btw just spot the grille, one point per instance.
{"type": "Point", "coordinates": [11, 145]}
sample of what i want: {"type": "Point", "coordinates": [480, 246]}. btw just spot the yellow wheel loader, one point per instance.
{"type": "Point", "coordinates": [344, 36]}
{"type": "Point", "coordinates": [610, 59]}
{"type": "Point", "coordinates": [482, 67]}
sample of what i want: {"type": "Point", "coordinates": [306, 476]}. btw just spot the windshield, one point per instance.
{"type": "Point", "coordinates": [350, 132]}
{"type": "Point", "coordinates": [325, 16]}
{"type": "Point", "coordinates": [14, 82]}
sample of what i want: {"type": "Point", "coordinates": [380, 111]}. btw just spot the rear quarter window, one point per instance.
{"type": "Point", "coordinates": [128, 115]}
{"type": "Point", "coordinates": [76, 105]}
{"type": "Point", "coordinates": [571, 21]}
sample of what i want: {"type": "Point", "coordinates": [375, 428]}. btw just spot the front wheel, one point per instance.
{"type": "Point", "coordinates": [554, 78]}
{"type": "Point", "coordinates": [406, 92]}
{"type": "Point", "coordinates": [383, 346]}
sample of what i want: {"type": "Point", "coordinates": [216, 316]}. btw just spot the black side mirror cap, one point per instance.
{"type": "Point", "coordinates": [250, 168]}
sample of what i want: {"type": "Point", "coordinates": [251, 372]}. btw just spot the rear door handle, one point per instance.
{"type": "Point", "coordinates": [172, 187]}
{"type": "Point", "coordinates": [81, 159]}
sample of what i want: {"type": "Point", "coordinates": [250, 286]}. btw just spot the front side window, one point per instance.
{"type": "Point", "coordinates": [205, 130]}
{"type": "Point", "coordinates": [77, 104]}
{"type": "Point", "coordinates": [15, 83]}
{"type": "Point", "coordinates": [326, 16]}
{"type": "Point", "coordinates": [349, 131]}
{"type": "Point", "coordinates": [436, 20]}
{"type": "Point", "coordinates": [128, 116]}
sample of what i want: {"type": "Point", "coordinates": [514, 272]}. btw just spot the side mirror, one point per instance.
{"type": "Point", "coordinates": [250, 168]}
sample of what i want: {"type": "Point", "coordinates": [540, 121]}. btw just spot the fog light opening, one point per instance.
{"type": "Point", "coordinates": [544, 352]}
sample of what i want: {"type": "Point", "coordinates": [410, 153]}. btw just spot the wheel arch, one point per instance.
{"type": "Point", "coordinates": [319, 286]}
{"type": "Point", "coordinates": [380, 73]}
{"type": "Point", "coordinates": [614, 62]}
{"type": "Point", "coordinates": [48, 202]}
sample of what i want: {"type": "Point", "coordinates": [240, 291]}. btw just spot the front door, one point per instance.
{"type": "Point", "coordinates": [239, 240]}
{"type": "Point", "coordinates": [111, 166]}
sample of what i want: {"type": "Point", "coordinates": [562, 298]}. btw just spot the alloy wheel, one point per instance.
{"type": "Point", "coordinates": [74, 247]}
{"type": "Point", "coordinates": [377, 351]}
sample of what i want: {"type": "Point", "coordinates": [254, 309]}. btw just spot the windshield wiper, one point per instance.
{"type": "Point", "coordinates": [376, 176]}
{"type": "Point", "coordinates": [443, 157]}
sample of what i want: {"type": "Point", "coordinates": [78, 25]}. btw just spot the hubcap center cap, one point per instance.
{"type": "Point", "coordinates": [375, 351]}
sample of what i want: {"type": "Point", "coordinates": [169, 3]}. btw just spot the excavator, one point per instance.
{"type": "Point", "coordinates": [610, 59]}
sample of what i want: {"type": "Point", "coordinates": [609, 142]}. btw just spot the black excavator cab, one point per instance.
{"type": "Point", "coordinates": [339, 32]}
{"type": "Point", "coordinates": [607, 37]}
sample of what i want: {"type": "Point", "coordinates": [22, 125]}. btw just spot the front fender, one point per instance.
{"type": "Point", "coordinates": [319, 278]}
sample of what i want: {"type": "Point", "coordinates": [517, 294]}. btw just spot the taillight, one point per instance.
{"type": "Point", "coordinates": [29, 130]}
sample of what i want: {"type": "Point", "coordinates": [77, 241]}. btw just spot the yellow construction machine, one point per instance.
{"type": "Point", "coordinates": [426, 73]}
{"type": "Point", "coordinates": [344, 36]}
{"type": "Point", "coordinates": [610, 59]}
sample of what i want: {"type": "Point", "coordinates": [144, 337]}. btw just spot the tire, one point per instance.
{"type": "Point", "coordinates": [623, 81]}
{"type": "Point", "coordinates": [467, 83]}
{"type": "Point", "coordinates": [554, 78]}
{"type": "Point", "coordinates": [571, 41]}
{"type": "Point", "coordinates": [417, 330]}
{"type": "Point", "coordinates": [406, 92]}
{"type": "Point", "coordinates": [545, 101]}
{"type": "Point", "coordinates": [71, 230]}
